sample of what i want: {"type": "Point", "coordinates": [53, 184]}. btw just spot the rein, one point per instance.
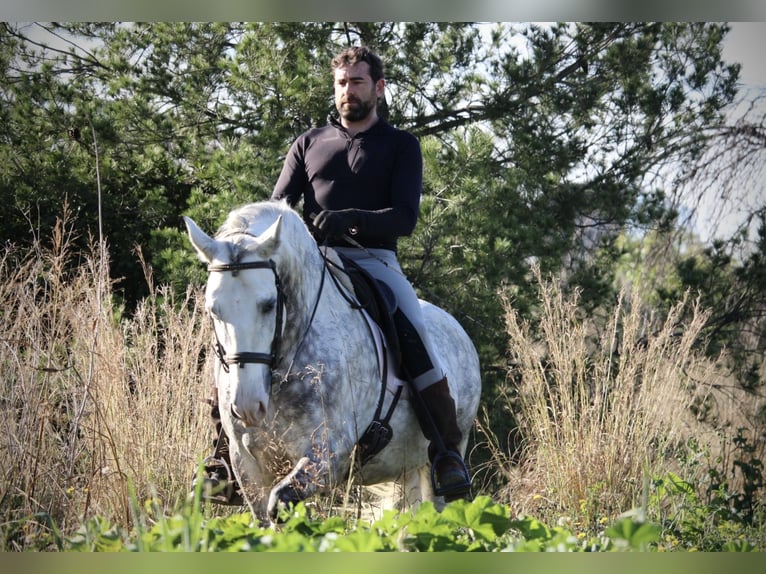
{"type": "Point", "coordinates": [244, 358]}
{"type": "Point", "coordinates": [379, 432]}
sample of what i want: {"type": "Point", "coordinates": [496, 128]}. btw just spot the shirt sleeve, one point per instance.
{"type": "Point", "coordinates": [406, 187]}
{"type": "Point", "coordinates": [293, 179]}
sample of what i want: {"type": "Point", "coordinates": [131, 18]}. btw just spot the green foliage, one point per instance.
{"type": "Point", "coordinates": [723, 513]}
{"type": "Point", "coordinates": [636, 535]}
{"type": "Point", "coordinates": [730, 284]}
{"type": "Point", "coordinates": [480, 525]}
{"type": "Point", "coordinates": [675, 518]}
{"type": "Point", "coordinates": [570, 125]}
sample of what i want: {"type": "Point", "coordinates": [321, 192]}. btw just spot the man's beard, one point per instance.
{"type": "Point", "coordinates": [358, 112]}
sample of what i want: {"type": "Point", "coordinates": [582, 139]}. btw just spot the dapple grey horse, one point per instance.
{"type": "Point", "coordinates": [298, 372]}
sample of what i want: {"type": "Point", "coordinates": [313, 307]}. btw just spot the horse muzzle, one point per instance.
{"type": "Point", "coordinates": [249, 390]}
{"type": "Point", "coordinates": [252, 414]}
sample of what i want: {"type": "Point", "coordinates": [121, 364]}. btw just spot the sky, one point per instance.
{"type": "Point", "coordinates": [719, 216]}
{"type": "Point", "coordinates": [746, 44]}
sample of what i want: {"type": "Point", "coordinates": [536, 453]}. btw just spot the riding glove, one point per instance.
{"type": "Point", "coordinates": [335, 224]}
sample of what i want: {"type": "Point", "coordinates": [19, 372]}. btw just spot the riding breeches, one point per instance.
{"type": "Point", "coordinates": [417, 351]}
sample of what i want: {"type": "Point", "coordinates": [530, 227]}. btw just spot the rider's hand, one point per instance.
{"type": "Point", "coordinates": [335, 224]}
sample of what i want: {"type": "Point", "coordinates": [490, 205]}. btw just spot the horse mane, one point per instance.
{"type": "Point", "coordinates": [255, 218]}
{"type": "Point", "coordinates": [252, 219]}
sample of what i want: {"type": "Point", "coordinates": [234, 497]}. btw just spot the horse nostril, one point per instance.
{"type": "Point", "coordinates": [248, 416]}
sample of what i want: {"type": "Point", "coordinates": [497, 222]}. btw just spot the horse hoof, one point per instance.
{"type": "Point", "coordinates": [218, 484]}
{"type": "Point", "coordinates": [281, 501]}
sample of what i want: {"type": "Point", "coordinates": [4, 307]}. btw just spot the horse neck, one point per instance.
{"type": "Point", "coordinates": [309, 287]}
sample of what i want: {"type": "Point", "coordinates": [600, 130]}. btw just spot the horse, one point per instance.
{"type": "Point", "coordinates": [298, 367]}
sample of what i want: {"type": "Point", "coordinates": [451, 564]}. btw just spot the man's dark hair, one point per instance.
{"type": "Point", "coordinates": [355, 54]}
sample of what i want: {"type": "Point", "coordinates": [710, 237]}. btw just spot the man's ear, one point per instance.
{"type": "Point", "coordinates": [380, 88]}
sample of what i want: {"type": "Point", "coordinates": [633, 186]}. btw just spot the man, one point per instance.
{"type": "Point", "coordinates": [361, 178]}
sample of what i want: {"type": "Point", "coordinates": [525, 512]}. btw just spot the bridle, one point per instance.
{"type": "Point", "coordinates": [244, 358]}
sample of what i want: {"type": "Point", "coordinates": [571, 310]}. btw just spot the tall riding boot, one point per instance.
{"type": "Point", "coordinates": [219, 483]}
{"type": "Point", "coordinates": [449, 473]}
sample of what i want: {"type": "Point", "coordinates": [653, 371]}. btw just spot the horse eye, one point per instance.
{"type": "Point", "coordinates": [268, 306]}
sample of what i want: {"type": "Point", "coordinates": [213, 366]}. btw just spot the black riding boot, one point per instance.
{"type": "Point", "coordinates": [219, 483]}
{"type": "Point", "coordinates": [435, 410]}
{"type": "Point", "coordinates": [449, 474]}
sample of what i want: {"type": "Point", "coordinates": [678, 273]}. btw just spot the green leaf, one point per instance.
{"type": "Point", "coordinates": [486, 519]}
{"type": "Point", "coordinates": [531, 528]}
{"type": "Point", "coordinates": [638, 535]}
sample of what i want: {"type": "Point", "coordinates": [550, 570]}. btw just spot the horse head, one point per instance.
{"type": "Point", "coordinates": [244, 298]}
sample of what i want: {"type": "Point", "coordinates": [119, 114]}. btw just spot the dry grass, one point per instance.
{"type": "Point", "coordinates": [95, 406]}
{"type": "Point", "coordinates": [92, 406]}
{"type": "Point", "coordinates": [99, 411]}
{"type": "Point", "coordinates": [602, 406]}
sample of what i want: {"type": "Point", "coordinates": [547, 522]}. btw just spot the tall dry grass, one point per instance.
{"type": "Point", "coordinates": [602, 405]}
{"type": "Point", "coordinates": [93, 404]}
{"type": "Point", "coordinates": [99, 410]}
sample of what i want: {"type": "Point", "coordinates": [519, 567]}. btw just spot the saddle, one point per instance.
{"type": "Point", "coordinates": [379, 301]}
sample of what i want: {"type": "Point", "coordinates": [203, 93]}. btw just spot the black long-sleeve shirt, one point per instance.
{"type": "Point", "coordinates": [378, 171]}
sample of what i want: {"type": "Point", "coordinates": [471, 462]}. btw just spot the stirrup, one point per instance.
{"type": "Point", "coordinates": [454, 490]}
{"type": "Point", "coordinates": [216, 488]}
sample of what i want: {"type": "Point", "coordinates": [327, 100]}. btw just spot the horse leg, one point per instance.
{"type": "Point", "coordinates": [253, 474]}
{"type": "Point", "coordinates": [416, 488]}
{"type": "Point", "coordinates": [219, 485]}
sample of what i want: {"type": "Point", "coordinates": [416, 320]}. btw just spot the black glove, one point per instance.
{"type": "Point", "coordinates": [335, 224]}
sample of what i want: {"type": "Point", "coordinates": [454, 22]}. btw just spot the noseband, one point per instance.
{"type": "Point", "coordinates": [242, 359]}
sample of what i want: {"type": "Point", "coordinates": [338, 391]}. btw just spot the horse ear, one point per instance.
{"type": "Point", "coordinates": [202, 242]}
{"type": "Point", "coordinates": [269, 239]}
